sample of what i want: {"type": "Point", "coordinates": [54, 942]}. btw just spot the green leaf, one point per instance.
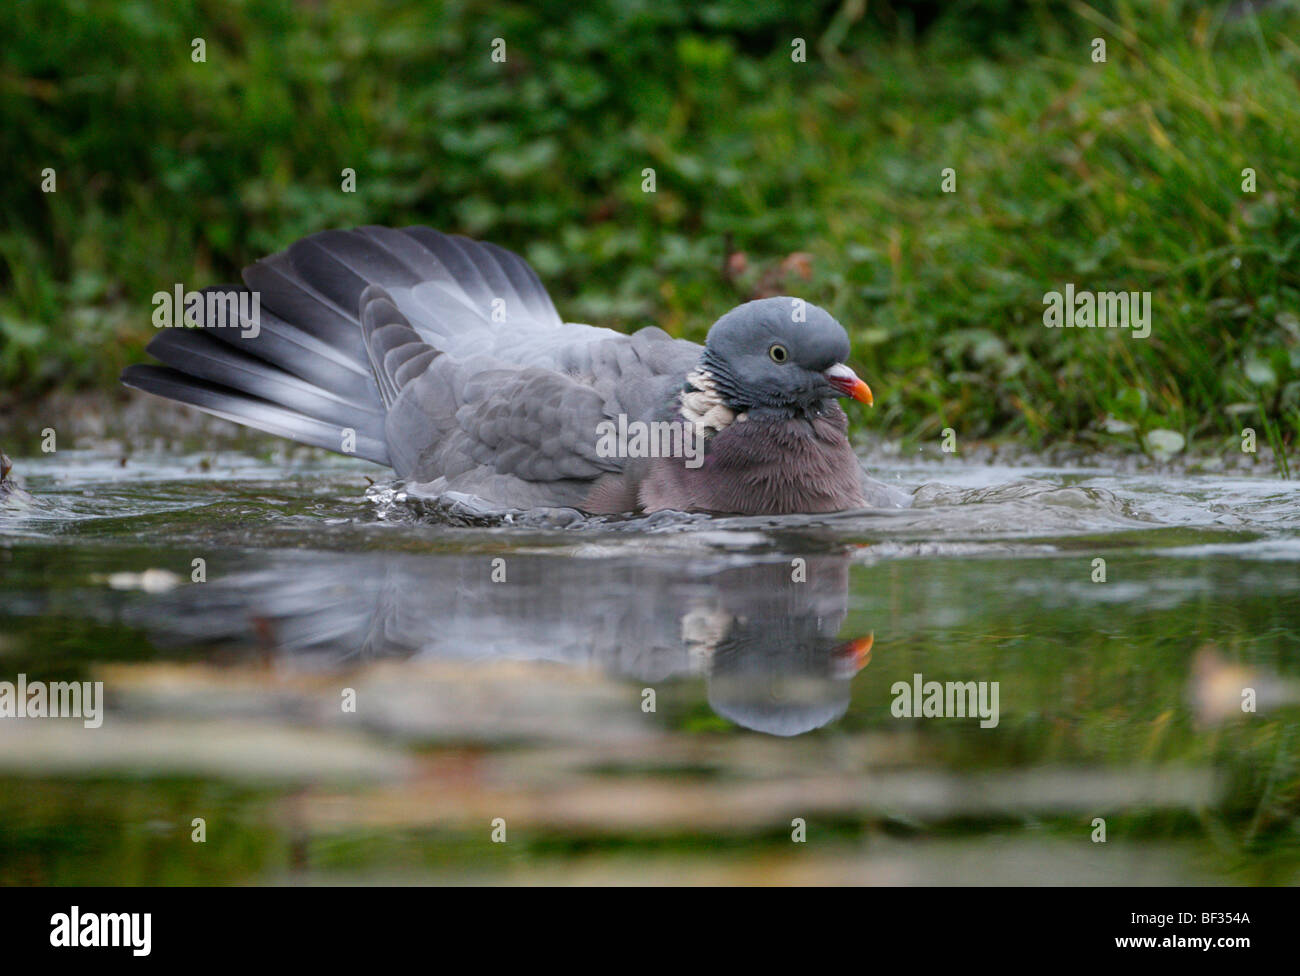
{"type": "Point", "coordinates": [1164, 443]}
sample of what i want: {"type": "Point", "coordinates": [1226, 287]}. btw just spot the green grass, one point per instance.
{"type": "Point", "coordinates": [1122, 175]}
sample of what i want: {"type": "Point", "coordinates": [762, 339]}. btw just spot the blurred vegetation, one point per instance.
{"type": "Point", "coordinates": [819, 178]}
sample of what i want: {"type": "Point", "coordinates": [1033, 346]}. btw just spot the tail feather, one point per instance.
{"type": "Point", "coordinates": [197, 353]}
{"type": "Point", "coordinates": [250, 411]}
{"type": "Point", "coordinates": [460, 267]}
{"type": "Point", "coordinates": [333, 277]}
{"type": "Point", "coordinates": [366, 260]}
{"type": "Point", "coordinates": [528, 287]}
{"type": "Point", "coordinates": [286, 294]}
{"type": "Point", "coordinates": [325, 354]}
{"type": "Point", "coordinates": [303, 355]}
{"type": "Point", "coordinates": [485, 272]}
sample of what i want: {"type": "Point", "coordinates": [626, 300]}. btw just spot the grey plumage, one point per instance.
{"type": "Point", "coordinates": [445, 359]}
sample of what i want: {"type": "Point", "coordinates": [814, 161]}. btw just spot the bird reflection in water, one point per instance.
{"type": "Point", "coordinates": [763, 635]}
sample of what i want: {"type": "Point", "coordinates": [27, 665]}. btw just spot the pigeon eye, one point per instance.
{"type": "Point", "coordinates": [778, 353]}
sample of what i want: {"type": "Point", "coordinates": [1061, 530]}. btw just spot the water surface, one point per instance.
{"type": "Point", "coordinates": [667, 698]}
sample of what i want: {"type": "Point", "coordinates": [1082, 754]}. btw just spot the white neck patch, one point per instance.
{"type": "Point", "coordinates": [703, 405]}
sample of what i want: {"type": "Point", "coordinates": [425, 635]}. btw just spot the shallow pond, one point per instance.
{"type": "Point", "coordinates": [367, 686]}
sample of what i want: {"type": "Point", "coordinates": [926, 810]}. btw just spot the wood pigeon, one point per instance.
{"type": "Point", "coordinates": [444, 358]}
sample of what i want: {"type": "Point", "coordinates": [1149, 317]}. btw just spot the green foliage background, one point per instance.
{"type": "Point", "coordinates": [1125, 175]}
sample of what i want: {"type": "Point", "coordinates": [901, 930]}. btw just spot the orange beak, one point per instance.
{"type": "Point", "coordinates": [857, 652]}
{"type": "Point", "coordinates": [847, 383]}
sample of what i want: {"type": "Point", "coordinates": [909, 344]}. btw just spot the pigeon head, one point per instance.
{"type": "Point", "coordinates": [780, 354]}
